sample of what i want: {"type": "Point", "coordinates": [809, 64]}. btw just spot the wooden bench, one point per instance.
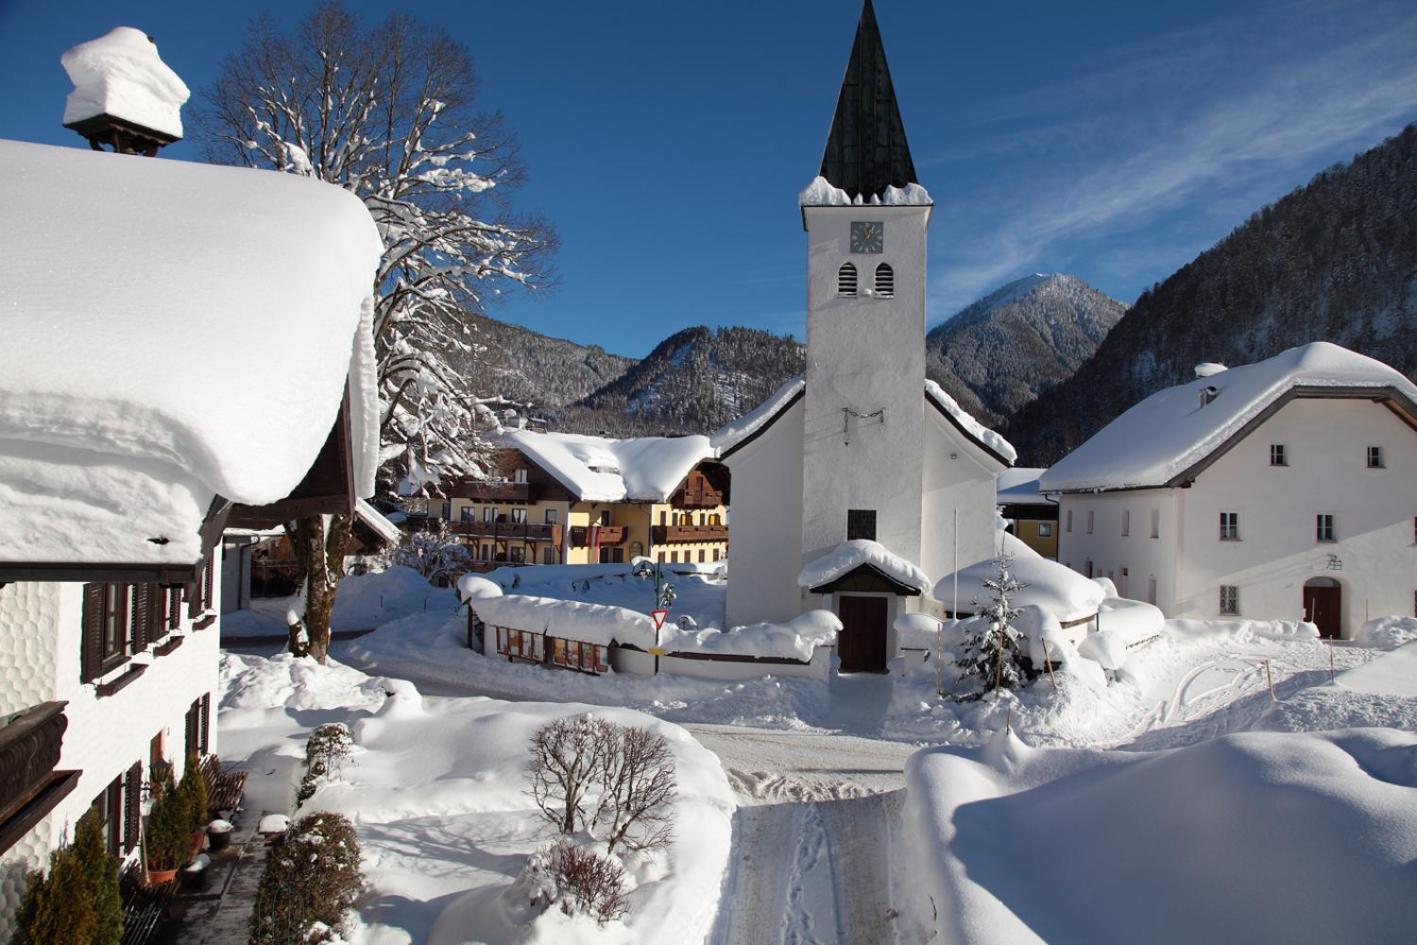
{"type": "Point", "coordinates": [145, 908]}
{"type": "Point", "coordinates": [224, 788]}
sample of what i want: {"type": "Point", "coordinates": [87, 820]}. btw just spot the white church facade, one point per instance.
{"type": "Point", "coordinates": [848, 482]}
{"type": "Point", "coordinates": [1280, 490]}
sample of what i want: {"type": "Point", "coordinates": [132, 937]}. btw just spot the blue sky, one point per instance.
{"type": "Point", "coordinates": [667, 140]}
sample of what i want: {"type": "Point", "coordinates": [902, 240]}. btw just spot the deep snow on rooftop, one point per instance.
{"type": "Point", "coordinates": [599, 469]}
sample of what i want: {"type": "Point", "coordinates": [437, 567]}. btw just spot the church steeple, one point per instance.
{"type": "Point", "coordinates": [866, 148]}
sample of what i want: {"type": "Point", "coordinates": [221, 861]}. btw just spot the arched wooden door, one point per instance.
{"type": "Point", "coordinates": [1323, 606]}
{"type": "Point", "coordinates": [861, 645]}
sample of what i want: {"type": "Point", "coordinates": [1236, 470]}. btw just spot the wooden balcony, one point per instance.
{"type": "Point", "coordinates": [491, 491]}
{"type": "Point", "coordinates": [30, 743]}
{"type": "Point", "coordinates": [668, 534]}
{"type": "Point", "coordinates": [699, 499]}
{"type": "Point", "coordinates": [509, 531]}
{"type": "Point", "coordinates": [600, 536]}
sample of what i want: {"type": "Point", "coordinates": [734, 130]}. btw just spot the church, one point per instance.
{"type": "Point", "coordinates": [859, 484]}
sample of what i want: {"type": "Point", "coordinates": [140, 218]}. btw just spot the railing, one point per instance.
{"type": "Point", "coordinates": [666, 534]}
{"type": "Point", "coordinates": [583, 537]}
{"type": "Point", "coordinates": [29, 751]}
{"type": "Point", "coordinates": [701, 499]}
{"type": "Point", "coordinates": [515, 531]}
{"type": "Point", "coordinates": [484, 491]}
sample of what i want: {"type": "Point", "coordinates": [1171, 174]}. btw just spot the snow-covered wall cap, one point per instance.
{"type": "Point", "coordinates": [1161, 439]}
{"type": "Point", "coordinates": [850, 555]}
{"type": "Point", "coordinates": [1054, 588]}
{"type": "Point", "coordinates": [599, 469]}
{"type": "Point", "coordinates": [121, 74]}
{"type": "Point", "coordinates": [736, 431]}
{"type": "Point", "coordinates": [821, 193]}
{"type": "Point", "coordinates": [988, 438]}
{"type": "Point", "coordinates": [601, 624]}
{"type": "Point", "coordinates": [194, 322]}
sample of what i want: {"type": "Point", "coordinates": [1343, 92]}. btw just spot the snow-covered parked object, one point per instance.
{"type": "Point", "coordinates": [1307, 838]}
{"type": "Point", "coordinates": [1055, 588]}
{"type": "Point", "coordinates": [861, 552]}
{"type": "Point", "coordinates": [599, 469]}
{"type": "Point", "coordinates": [1387, 633]}
{"type": "Point", "coordinates": [120, 75]}
{"type": "Point", "coordinates": [991, 440]}
{"type": "Point", "coordinates": [1164, 439]}
{"type": "Point", "coordinates": [115, 442]}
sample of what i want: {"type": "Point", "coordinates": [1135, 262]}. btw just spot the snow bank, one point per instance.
{"type": "Point", "coordinates": [369, 600]}
{"type": "Point", "coordinates": [294, 682]}
{"type": "Point", "coordinates": [1171, 431]}
{"type": "Point", "coordinates": [915, 631]}
{"type": "Point", "coordinates": [1054, 587]}
{"type": "Point", "coordinates": [600, 624]}
{"type": "Point", "coordinates": [795, 639]}
{"type": "Point", "coordinates": [822, 193]}
{"type": "Point", "coordinates": [850, 555]}
{"type": "Point", "coordinates": [1259, 837]}
{"type": "Point", "coordinates": [1393, 674]}
{"type": "Point", "coordinates": [191, 274]}
{"type": "Point", "coordinates": [597, 469]}
{"type": "Point", "coordinates": [1130, 621]}
{"type": "Point", "coordinates": [983, 434]}
{"type": "Point", "coordinates": [736, 431]}
{"type": "Point", "coordinates": [1387, 633]}
{"type": "Point", "coordinates": [1242, 630]}
{"type": "Point", "coordinates": [121, 74]}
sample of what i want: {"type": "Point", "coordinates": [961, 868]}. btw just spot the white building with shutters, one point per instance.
{"type": "Point", "coordinates": [861, 463]}
{"type": "Point", "coordinates": [1280, 490]}
{"type": "Point", "coordinates": [123, 452]}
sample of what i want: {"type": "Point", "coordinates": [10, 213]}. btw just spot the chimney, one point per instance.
{"type": "Point", "coordinates": [125, 97]}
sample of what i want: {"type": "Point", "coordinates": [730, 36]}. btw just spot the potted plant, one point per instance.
{"type": "Point", "coordinates": [192, 791]}
{"type": "Point", "coordinates": [167, 840]}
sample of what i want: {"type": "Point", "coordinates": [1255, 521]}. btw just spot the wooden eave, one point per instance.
{"type": "Point", "coordinates": [866, 578]}
{"type": "Point", "coordinates": [1392, 398]}
{"type": "Point", "coordinates": [327, 489]}
{"type": "Point", "coordinates": [766, 424]}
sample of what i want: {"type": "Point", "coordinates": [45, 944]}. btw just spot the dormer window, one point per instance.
{"type": "Point", "coordinates": [846, 280]}
{"type": "Point", "coordinates": [885, 281]}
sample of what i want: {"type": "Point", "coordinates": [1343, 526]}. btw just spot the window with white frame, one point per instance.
{"type": "Point", "coordinates": [1126, 522]}
{"type": "Point", "coordinates": [519, 475]}
{"type": "Point", "coordinates": [550, 517]}
{"type": "Point", "coordinates": [1045, 529]}
{"type": "Point", "coordinates": [1229, 526]}
{"type": "Point", "coordinates": [1278, 455]}
{"type": "Point", "coordinates": [1324, 527]}
{"type": "Point", "coordinates": [1375, 457]}
{"type": "Point", "coordinates": [1229, 600]}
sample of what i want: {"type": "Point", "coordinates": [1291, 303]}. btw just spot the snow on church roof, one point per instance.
{"type": "Point", "coordinates": [172, 332]}
{"type": "Point", "coordinates": [597, 469]}
{"type": "Point", "coordinates": [1168, 433]}
{"type": "Point", "coordinates": [121, 74]}
{"type": "Point", "coordinates": [991, 440]}
{"type": "Point", "coordinates": [850, 555]}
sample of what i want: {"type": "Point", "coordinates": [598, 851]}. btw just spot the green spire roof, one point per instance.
{"type": "Point", "coordinates": [866, 149]}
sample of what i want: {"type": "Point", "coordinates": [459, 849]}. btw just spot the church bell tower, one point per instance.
{"type": "Point", "coordinates": [865, 217]}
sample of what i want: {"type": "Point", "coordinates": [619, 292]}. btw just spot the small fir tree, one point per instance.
{"type": "Point", "coordinates": [992, 651]}
{"type": "Point", "coordinates": [167, 840]}
{"type": "Point", "coordinates": [194, 789]}
{"type": "Point", "coordinates": [77, 902]}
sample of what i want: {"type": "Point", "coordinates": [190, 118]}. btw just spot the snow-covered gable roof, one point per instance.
{"type": "Point", "coordinates": [1019, 486]}
{"type": "Point", "coordinates": [850, 555]}
{"type": "Point", "coordinates": [120, 74]}
{"type": "Point", "coordinates": [598, 469]}
{"type": "Point", "coordinates": [1054, 587]}
{"type": "Point", "coordinates": [994, 444]}
{"type": "Point", "coordinates": [1164, 439]}
{"type": "Point", "coordinates": [173, 332]}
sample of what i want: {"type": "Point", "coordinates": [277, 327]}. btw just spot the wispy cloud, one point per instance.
{"type": "Point", "coordinates": [1200, 116]}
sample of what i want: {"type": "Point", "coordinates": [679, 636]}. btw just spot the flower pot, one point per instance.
{"type": "Point", "coordinates": [161, 877]}
{"type": "Point", "coordinates": [218, 835]}
{"type": "Point", "coordinates": [194, 876]}
{"type": "Point", "coordinates": [199, 838]}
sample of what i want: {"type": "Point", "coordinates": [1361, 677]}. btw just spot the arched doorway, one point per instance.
{"type": "Point", "coordinates": [1323, 605]}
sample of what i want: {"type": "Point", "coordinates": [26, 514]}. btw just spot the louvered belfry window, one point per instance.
{"type": "Point", "coordinates": [846, 279]}
{"type": "Point", "coordinates": [885, 281]}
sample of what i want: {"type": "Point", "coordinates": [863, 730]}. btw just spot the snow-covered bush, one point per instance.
{"type": "Point", "coordinates": [579, 880]}
{"type": "Point", "coordinates": [992, 653]}
{"type": "Point", "coordinates": [607, 780]}
{"type": "Point", "coordinates": [325, 754]}
{"type": "Point", "coordinates": [435, 554]}
{"type": "Point", "coordinates": [312, 877]}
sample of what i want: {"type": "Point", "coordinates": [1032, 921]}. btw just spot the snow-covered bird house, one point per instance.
{"type": "Point", "coordinates": [846, 482]}
{"type": "Point", "coordinates": [125, 97]}
{"type": "Point", "coordinates": [1235, 494]}
{"type": "Point", "coordinates": [185, 346]}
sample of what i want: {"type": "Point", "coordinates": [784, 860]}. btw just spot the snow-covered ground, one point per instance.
{"type": "Point", "coordinates": [437, 789]}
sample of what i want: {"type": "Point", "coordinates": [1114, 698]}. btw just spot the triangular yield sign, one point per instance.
{"type": "Point", "coordinates": [658, 616]}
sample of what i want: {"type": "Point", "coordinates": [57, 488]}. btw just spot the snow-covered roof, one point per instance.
{"type": "Point", "coordinates": [377, 522]}
{"type": "Point", "coordinates": [601, 624]}
{"type": "Point", "coordinates": [1019, 486]}
{"type": "Point", "coordinates": [990, 440]}
{"type": "Point", "coordinates": [850, 555]}
{"type": "Point", "coordinates": [121, 74]}
{"type": "Point", "coordinates": [794, 639]}
{"type": "Point", "coordinates": [1055, 588]}
{"type": "Point", "coordinates": [1160, 440]}
{"type": "Point", "coordinates": [172, 332]}
{"type": "Point", "coordinates": [733, 433]}
{"type": "Point", "coordinates": [597, 469]}
{"type": "Point", "coordinates": [821, 193]}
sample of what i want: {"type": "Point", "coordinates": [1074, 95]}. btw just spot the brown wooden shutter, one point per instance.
{"type": "Point", "coordinates": [138, 626]}
{"type": "Point", "coordinates": [204, 725]}
{"type": "Point", "coordinates": [208, 581]}
{"type": "Point", "coordinates": [174, 607]}
{"type": "Point", "coordinates": [157, 618]}
{"type": "Point", "coordinates": [90, 654]}
{"type": "Point", "coordinates": [132, 806]}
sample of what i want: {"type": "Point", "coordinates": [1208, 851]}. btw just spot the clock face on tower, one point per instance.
{"type": "Point", "coordinates": [867, 237]}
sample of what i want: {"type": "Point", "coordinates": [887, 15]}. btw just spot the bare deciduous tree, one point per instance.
{"type": "Point", "coordinates": [387, 113]}
{"type": "Point", "coordinates": [566, 758]}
